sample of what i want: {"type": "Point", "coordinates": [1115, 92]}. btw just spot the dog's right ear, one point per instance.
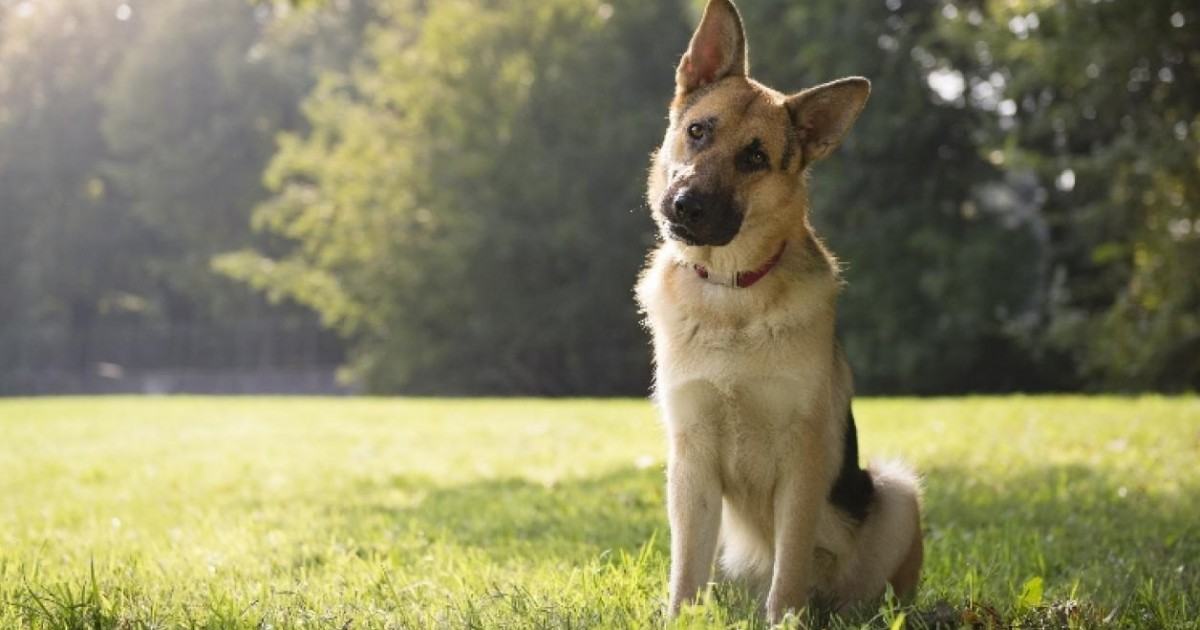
{"type": "Point", "coordinates": [718, 49]}
{"type": "Point", "coordinates": [823, 114]}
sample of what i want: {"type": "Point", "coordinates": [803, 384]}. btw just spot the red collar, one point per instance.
{"type": "Point", "coordinates": [745, 279]}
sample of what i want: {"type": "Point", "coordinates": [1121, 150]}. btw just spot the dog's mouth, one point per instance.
{"type": "Point", "coordinates": [693, 237]}
{"type": "Point", "coordinates": [681, 233]}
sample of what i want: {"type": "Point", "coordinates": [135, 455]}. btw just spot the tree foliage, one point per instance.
{"type": "Point", "coordinates": [1101, 105]}
{"type": "Point", "coordinates": [468, 204]}
{"type": "Point", "coordinates": [456, 186]}
{"type": "Point", "coordinates": [132, 140]}
{"type": "Point", "coordinates": [58, 224]}
{"type": "Point", "coordinates": [934, 273]}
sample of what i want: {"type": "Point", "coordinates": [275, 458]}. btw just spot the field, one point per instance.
{"type": "Point", "coordinates": [360, 513]}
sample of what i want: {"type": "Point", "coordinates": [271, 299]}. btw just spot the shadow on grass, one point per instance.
{"type": "Point", "coordinates": [1104, 548]}
{"type": "Point", "coordinates": [1075, 516]}
{"type": "Point", "coordinates": [1088, 533]}
{"type": "Point", "coordinates": [1109, 553]}
{"type": "Point", "coordinates": [574, 520]}
{"type": "Point", "coordinates": [1070, 510]}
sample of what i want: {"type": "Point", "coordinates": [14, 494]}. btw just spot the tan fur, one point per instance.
{"type": "Point", "coordinates": [750, 382]}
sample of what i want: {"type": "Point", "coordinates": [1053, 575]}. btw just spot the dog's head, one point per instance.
{"type": "Point", "coordinates": [732, 163]}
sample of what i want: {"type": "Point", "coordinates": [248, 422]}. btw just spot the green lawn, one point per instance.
{"type": "Point", "coordinates": [335, 513]}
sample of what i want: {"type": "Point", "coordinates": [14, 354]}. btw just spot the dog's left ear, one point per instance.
{"type": "Point", "coordinates": [823, 114]}
{"type": "Point", "coordinates": [717, 50]}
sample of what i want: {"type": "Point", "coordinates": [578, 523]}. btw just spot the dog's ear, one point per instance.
{"type": "Point", "coordinates": [823, 114]}
{"type": "Point", "coordinates": [718, 49]}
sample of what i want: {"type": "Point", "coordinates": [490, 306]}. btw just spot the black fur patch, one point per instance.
{"type": "Point", "coordinates": [853, 489]}
{"type": "Point", "coordinates": [793, 141]}
{"type": "Point", "coordinates": [789, 149]}
{"type": "Point", "coordinates": [744, 160]}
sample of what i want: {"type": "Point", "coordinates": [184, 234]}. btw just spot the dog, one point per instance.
{"type": "Point", "coordinates": [739, 296]}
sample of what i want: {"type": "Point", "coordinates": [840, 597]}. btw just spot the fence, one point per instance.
{"type": "Point", "coordinates": [291, 356]}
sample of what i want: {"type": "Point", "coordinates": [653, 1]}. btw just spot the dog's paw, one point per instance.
{"type": "Point", "coordinates": [781, 608]}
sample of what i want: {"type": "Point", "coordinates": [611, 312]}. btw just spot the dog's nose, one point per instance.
{"type": "Point", "coordinates": [689, 206]}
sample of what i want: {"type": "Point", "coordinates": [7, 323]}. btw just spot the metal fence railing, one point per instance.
{"type": "Point", "coordinates": [250, 356]}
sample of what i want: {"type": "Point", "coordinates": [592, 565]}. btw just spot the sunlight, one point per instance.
{"type": "Point", "coordinates": [948, 84]}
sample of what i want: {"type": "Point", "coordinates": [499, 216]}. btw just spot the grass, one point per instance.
{"type": "Point", "coordinates": [359, 513]}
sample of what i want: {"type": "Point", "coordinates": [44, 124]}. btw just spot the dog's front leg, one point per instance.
{"type": "Point", "coordinates": [694, 510]}
{"type": "Point", "coordinates": [797, 504]}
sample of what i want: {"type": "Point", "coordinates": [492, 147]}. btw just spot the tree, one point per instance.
{"type": "Point", "coordinates": [190, 121]}
{"type": "Point", "coordinates": [1101, 105]}
{"type": "Point", "coordinates": [59, 227]}
{"type": "Point", "coordinates": [468, 204]}
{"type": "Point", "coordinates": [132, 140]}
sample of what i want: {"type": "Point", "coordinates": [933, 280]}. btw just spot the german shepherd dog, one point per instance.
{"type": "Point", "coordinates": [754, 389]}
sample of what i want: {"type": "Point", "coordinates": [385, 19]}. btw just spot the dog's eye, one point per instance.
{"type": "Point", "coordinates": [695, 131]}
{"type": "Point", "coordinates": [752, 158]}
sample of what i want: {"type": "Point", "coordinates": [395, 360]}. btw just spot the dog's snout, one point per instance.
{"type": "Point", "coordinates": [701, 217]}
{"type": "Point", "coordinates": [688, 206]}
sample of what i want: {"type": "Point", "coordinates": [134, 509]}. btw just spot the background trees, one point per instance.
{"type": "Point", "coordinates": [455, 187]}
{"type": "Point", "coordinates": [935, 272]}
{"type": "Point", "coordinates": [1100, 107]}
{"type": "Point", "coordinates": [468, 204]}
{"type": "Point", "coordinates": [132, 138]}
{"type": "Point", "coordinates": [53, 64]}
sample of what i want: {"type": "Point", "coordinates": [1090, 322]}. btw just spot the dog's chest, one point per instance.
{"type": "Point", "coordinates": [758, 429]}
{"type": "Point", "coordinates": [741, 352]}
{"type": "Point", "coordinates": [749, 389]}
{"type": "Point", "coordinates": [748, 408]}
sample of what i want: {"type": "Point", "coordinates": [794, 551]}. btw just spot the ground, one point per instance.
{"type": "Point", "coordinates": [357, 513]}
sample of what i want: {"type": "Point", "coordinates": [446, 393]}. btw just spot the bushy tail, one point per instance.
{"type": "Point", "coordinates": [888, 544]}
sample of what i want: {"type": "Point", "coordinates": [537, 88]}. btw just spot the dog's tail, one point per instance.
{"type": "Point", "coordinates": [888, 547]}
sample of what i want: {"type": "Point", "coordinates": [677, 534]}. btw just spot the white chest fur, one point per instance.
{"type": "Point", "coordinates": [742, 392]}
